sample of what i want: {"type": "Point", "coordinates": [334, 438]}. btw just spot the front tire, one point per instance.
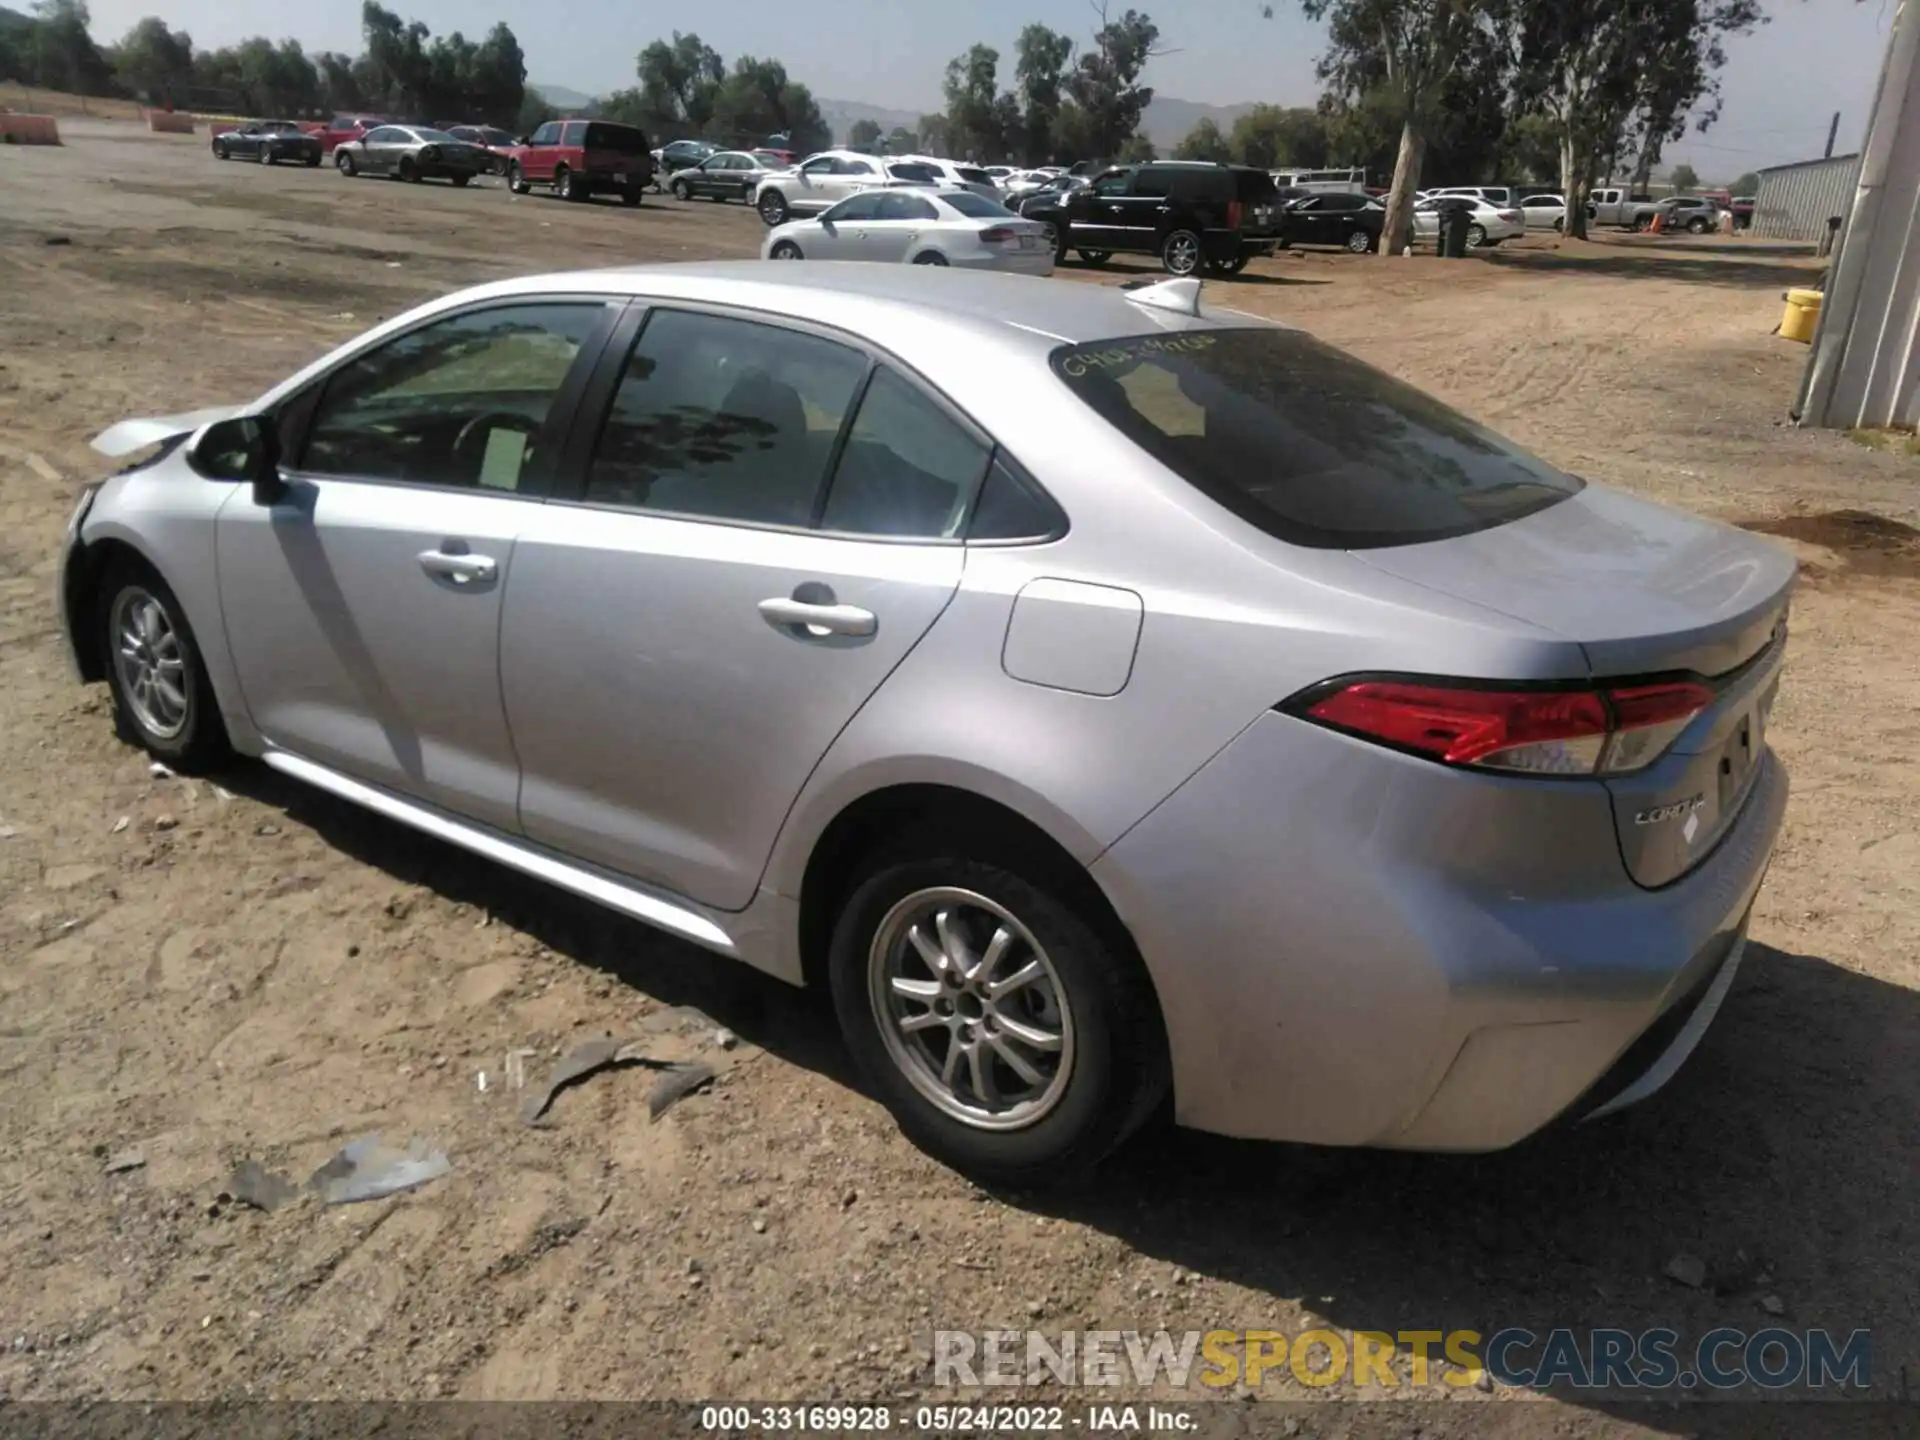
{"type": "Point", "coordinates": [680, 190]}
{"type": "Point", "coordinates": [773, 208]}
{"type": "Point", "coordinates": [785, 250]}
{"type": "Point", "coordinates": [162, 698]}
{"type": "Point", "coordinates": [313, 162]}
{"type": "Point", "coordinates": [344, 163]}
{"type": "Point", "coordinates": [461, 181]}
{"type": "Point", "coordinates": [1096, 257]}
{"type": "Point", "coordinates": [1180, 253]}
{"type": "Point", "coordinates": [1006, 1034]}
{"type": "Point", "coordinates": [220, 150]}
{"type": "Point", "coordinates": [517, 179]}
{"type": "Point", "coordinates": [408, 170]}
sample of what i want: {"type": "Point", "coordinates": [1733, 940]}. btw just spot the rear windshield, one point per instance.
{"type": "Point", "coordinates": [916, 174]}
{"type": "Point", "coordinates": [975, 207]}
{"type": "Point", "coordinates": [1304, 441]}
{"type": "Point", "coordinates": [972, 176]}
{"type": "Point", "coordinates": [1257, 187]}
{"type": "Point", "coordinates": [622, 138]}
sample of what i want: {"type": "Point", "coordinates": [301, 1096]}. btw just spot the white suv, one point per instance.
{"type": "Point", "coordinates": [959, 175]}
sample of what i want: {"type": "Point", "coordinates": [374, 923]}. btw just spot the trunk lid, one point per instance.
{"type": "Point", "coordinates": [1645, 591]}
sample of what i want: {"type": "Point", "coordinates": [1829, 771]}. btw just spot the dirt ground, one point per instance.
{"type": "Point", "coordinates": [208, 973]}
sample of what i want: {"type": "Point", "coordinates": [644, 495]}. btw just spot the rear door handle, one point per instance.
{"type": "Point", "coordinates": [818, 619]}
{"type": "Point", "coordinates": [460, 569]}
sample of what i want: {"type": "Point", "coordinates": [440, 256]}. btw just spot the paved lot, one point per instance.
{"type": "Point", "coordinates": [250, 970]}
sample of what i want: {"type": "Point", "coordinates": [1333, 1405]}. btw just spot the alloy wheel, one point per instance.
{"type": "Point", "coordinates": [971, 1009]}
{"type": "Point", "coordinates": [1360, 242]}
{"type": "Point", "coordinates": [1476, 235]}
{"type": "Point", "coordinates": [150, 663]}
{"type": "Point", "coordinates": [1182, 256]}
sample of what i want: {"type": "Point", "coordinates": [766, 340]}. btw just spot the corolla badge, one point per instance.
{"type": "Point", "coordinates": [1660, 814]}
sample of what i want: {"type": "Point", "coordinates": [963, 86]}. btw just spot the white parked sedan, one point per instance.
{"type": "Point", "coordinates": [1490, 226]}
{"type": "Point", "coordinates": [1545, 212]}
{"type": "Point", "coordinates": [919, 227]}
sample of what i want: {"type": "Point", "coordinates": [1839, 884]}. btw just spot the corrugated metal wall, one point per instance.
{"type": "Point", "coordinates": [1865, 366]}
{"type": "Point", "coordinates": [1795, 200]}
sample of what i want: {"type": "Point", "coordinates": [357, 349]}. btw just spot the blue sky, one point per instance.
{"type": "Point", "coordinates": [1782, 83]}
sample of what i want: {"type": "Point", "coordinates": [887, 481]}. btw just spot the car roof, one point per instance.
{"type": "Point", "coordinates": [898, 306]}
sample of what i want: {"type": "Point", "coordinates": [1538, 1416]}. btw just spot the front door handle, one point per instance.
{"type": "Point", "coordinates": [818, 620]}
{"type": "Point", "coordinates": [461, 569]}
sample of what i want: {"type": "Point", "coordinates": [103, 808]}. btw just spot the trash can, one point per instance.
{"type": "Point", "coordinates": [1455, 221]}
{"type": "Point", "coordinates": [1802, 315]}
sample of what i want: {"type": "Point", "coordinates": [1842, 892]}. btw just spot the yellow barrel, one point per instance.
{"type": "Point", "coordinates": [1803, 315]}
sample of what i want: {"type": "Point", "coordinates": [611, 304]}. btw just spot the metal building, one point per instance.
{"type": "Point", "coordinates": [1865, 367]}
{"type": "Point", "coordinates": [1796, 201]}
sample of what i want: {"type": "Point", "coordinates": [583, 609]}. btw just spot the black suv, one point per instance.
{"type": "Point", "coordinates": [1189, 213]}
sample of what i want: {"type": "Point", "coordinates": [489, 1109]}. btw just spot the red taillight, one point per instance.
{"type": "Point", "coordinates": [1543, 732]}
{"type": "Point", "coordinates": [997, 235]}
{"type": "Point", "coordinates": [1234, 211]}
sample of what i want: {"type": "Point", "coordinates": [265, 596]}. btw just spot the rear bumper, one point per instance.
{"type": "Point", "coordinates": [1027, 262]}
{"type": "Point", "coordinates": [1357, 948]}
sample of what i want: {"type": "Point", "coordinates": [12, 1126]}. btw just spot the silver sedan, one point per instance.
{"type": "Point", "coordinates": [1112, 701]}
{"type": "Point", "coordinates": [918, 227]}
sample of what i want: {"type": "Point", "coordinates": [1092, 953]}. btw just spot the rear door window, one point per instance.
{"type": "Point", "coordinates": [908, 469]}
{"type": "Point", "coordinates": [574, 133]}
{"type": "Point", "coordinates": [724, 419]}
{"type": "Point", "coordinates": [1304, 441]}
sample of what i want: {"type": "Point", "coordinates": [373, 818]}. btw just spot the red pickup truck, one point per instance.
{"type": "Point", "coordinates": [582, 158]}
{"type": "Point", "coordinates": [348, 127]}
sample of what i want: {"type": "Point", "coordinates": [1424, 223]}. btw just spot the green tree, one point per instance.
{"type": "Point", "coordinates": [1621, 76]}
{"type": "Point", "coordinates": [1390, 62]}
{"type": "Point", "coordinates": [62, 55]}
{"type": "Point", "coordinates": [1747, 184]}
{"type": "Point", "coordinates": [1684, 178]}
{"type": "Point", "coordinates": [1105, 84]}
{"type": "Point", "coordinates": [1531, 150]}
{"type": "Point", "coordinates": [1204, 142]}
{"type": "Point", "coordinates": [864, 135]}
{"type": "Point", "coordinates": [153, 61]}
{"type": "Point", "coordinates": [339, 86]}
{"type": "Point", "coordinates": [902, 141]}
{"type": "Point", "coordinates": [971, 88]}
{"type": "Point", "coordinates": [534, 112]}
{"type": "Point", "coordinates": [1136, 149]}
{"type": "Point", "coordinates": [758, 101]}
{"type": "Point", "coordinates": [1268, 137]}
{"type": "Point", "coordinates": [1039, 71]}
{"type": "Point", "coordinates": [498, 84]}
{"type": "Point", "coordinates": [931, 135]}
{"type": "Point", "coordinates": [680, 82]}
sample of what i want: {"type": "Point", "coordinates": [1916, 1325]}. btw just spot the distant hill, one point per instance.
{"type": "Point", "coordinates": [1168, 121]}
{"type": "Point", "coordinates": [561, 97]}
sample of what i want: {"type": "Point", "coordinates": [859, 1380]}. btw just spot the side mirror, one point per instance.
{"type": "Point", "coordinates": [521, 140]}
{"type": "Point", "coordinates": [244, 449]}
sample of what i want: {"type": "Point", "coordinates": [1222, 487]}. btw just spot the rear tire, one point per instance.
{"type": "Point", "coordinates": [408, 170]}
{"type": "Point", "coordinates": [932, 257]}
{"type": "Point", "coordinates": [773, 209]}
{"type": "Point", "coordinates": [269, 157]}
{"type": "Point", "coordinates": [1180, 253]}
{"type": "Point", "coordinates": [631, 197]}
{"type": "Point", "coordinates": [567, 186]}
{"type": "Point", "coordinates": [1101, 1079]}
{"type": "Point", "coordinates": [1361, 242]}
{"type": "Point", "coordinates": [189, 735]}
{"type": "Point", "coordinates": [1476, 237]}
{"type": "Point", "coordinates": [1095, 257]}
{"type": "Point", "coordinates": [313, 162]}
{"type": "Point", "coordinates": [1227, 267]}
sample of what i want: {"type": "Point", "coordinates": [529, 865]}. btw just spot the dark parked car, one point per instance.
{"type": "Point", "coordinates": [269, 142]}
{"type": "Point", "coordinates": [1694, 214]}
{"type": "Point", "coordinates": [729, 175]}
{"type": "Point", "coordinates": [496, 142]}
{"type": "Point", "coordinates": [1191, 214]}
{"type": "Point", "coordinates": [411, 152]}
{"type": "Point", "coordinates": [583, 158]}
{"type": "Point", "coordinates": [1353, 222]}
{"type": "Point", "coordinates": [1051, 193]}
{"type": "Point", "coordinates": [682, 155]}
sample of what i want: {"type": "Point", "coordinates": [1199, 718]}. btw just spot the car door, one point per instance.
{"type": "Point", "coordinates": [683, 639]}
{"type": "Point", "coordinates": [362, 607]}
{"type": "Point", "coordinates": [382, 146]}
{"type": "Point", "coordinates": [900, 219]}
{"type": "Point", "coordinates": [1098, 213]}
{"type": "Point", "coordinates": [844, 229]}
{"type": "Point", "coordinates": [536, 163]}
{"type": "Point", "coordinates": [811, 189]}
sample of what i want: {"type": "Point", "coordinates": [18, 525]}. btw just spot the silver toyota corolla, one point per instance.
{"type": "Point", "coordinates": [1108, 698]}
